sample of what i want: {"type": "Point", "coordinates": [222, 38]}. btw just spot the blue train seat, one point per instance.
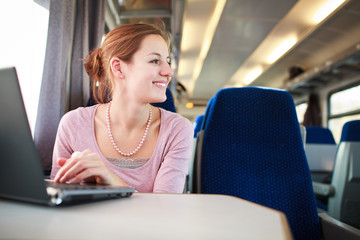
{"type": "Point", "coordinates": [320, 149]}
{"type": "Point", "coordinates": [344, 190]}
{"type": "Point", "coordinates": [252, 149]}
{"type": "Point", "coordinates": [197, 127]}
{"type": "Point", "coordinates": [198, 124]}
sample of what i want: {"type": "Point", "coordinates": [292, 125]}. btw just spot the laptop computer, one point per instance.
{"type": "Point", "coordinates": [21, 173]}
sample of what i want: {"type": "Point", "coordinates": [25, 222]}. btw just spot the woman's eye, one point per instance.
{"type": "Point", "coordinates": [156, 61]}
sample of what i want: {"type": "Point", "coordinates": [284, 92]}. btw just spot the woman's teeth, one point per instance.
{"type": "Point", "coordinates": [160, 84]}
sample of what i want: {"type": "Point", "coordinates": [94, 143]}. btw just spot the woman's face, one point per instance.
{"type": "Point", "coordinates": [149, 71]}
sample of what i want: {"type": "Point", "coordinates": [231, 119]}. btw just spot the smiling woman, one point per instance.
{"type": "Point", "coordinates": [124, 140]}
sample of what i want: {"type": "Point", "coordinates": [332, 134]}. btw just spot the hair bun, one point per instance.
{"type": "Point", "coordinates": [94, 65]}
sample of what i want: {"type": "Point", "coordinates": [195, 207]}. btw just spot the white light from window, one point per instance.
{"type": "Point", "coordinates": [300, 111]}
{"type": "Point", "coordinates": [25, 24]}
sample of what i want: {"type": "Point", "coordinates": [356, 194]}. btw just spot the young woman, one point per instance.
{"type": "Point", "coordinates": [126, 142]}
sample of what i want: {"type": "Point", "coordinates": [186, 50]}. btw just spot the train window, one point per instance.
{"type": "Point", "coordinates": [300, 111]}
{"type": "Point", "coordinates": [336, 124]}
{"type": "Point", "coordinates": [345, 101]}
{"type": "Point", "coordinates": [25, 24]}
{"type": "Point", "coordinates": [344, 106]}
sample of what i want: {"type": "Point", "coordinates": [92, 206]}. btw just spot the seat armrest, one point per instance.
{"type": "Point", "coordinates": [323, 189]}
{"type": "Point", "coordinates": [333, 229]}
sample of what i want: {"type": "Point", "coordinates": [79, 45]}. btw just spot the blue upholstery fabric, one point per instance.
{"type": "Point", "coordinates": [198, 124]}
{"type": "Point", "coordinates": [209, 105]}
{"type": "Point", "coordinates": [252, 149]}
{"type": "Point", "coordinates": [354, 134]}
{"type": "Point", "coordinates": [168, 104]}
{"type": "Point", "coordinates": [319, 135]}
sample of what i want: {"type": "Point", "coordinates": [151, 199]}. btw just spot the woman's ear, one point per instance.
{"type": "Point", "coordinates": [115, 64]}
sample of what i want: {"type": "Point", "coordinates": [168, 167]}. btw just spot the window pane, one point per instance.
{"type": "Point", "coordinates": [24, 25]}
{"type": "Point", "coordinates": [336, 125]}
{"type": "Point", "coordinates": [300, 111]}
{"type": "Point", "coordinates": [345, 101]}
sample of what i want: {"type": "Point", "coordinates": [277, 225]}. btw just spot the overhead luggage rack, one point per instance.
{"type": "Point", "coordinates": [345, 66]}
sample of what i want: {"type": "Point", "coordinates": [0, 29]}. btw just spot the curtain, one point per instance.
{"type": "Point", "coordinates": [75, 27]}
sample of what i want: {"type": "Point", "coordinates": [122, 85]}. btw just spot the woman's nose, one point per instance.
{"type": "Point", "coordinates": [167, 70]}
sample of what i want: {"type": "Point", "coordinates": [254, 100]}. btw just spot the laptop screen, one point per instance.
{"type": "Point", "coordinates": [21, 171]}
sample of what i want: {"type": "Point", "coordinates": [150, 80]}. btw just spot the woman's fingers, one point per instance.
{"type": "Point", "coordinates": [87, 162]}
{"type": "Point", "coordinates": [76, 154]}
{"type": "Point", "coordinates": [85, 166]}
{"type": "Point", "coordinates": [61, 161]}
{"type": "Point", "coordinates": [89, 173]}
{"type": "Point", "coordinates": [79, 166]}
{"type": "Point", "coordinates": [66, 164]}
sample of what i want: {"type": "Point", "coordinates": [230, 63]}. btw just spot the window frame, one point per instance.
{"type": "Point", "coordinates": [330, 117]}
{"type": "Point", "coordinates": [340, 115]}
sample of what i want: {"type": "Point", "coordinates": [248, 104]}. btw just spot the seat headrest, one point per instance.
{"type": "Point", "coordinates": [319, 135]}
{"type": "Point", "coordinates": [351, 131]}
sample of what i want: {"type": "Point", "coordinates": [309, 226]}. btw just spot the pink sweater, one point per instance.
{"type": "Point", "coordinates": [165, 171]}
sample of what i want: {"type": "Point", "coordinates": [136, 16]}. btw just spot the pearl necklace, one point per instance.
{"type": "Point", "coordinates": [111, 136]}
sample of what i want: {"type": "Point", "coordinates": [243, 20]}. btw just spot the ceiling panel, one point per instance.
{"type": "Point", "coordinates": [328, 42]}
{"type": "Point", "coordinates": [243, 26]}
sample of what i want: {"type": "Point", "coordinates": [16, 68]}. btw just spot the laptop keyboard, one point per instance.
{"type": "Point", "coordinates": [86, 186]}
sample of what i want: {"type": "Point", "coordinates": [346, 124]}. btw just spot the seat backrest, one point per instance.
{"type": "Point", "coordinates": [320, 152]}
{"type": "Point", "coordinates": [345, 204]}
{"type": "Point", "coordinates": [252, 149]}
{"type": "Point", "coordinates": [198, 150]}
{"type": "Point", "coordinates": [169, 104]}
{"type": "Point", "coordinates": [197, 124]}
{"type": "Point", "coordinates": [319, 135]}
{"type": "Point", "coordinates": [197, 127]}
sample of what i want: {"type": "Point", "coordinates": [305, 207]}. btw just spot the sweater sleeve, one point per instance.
{"type": "Point", "coordinates": [174, 167]}
{"type": "Point", "coordinates": [65, 138]}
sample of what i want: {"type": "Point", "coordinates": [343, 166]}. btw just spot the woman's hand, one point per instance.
{"type": "Point", "coordinates": [86, 166]}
